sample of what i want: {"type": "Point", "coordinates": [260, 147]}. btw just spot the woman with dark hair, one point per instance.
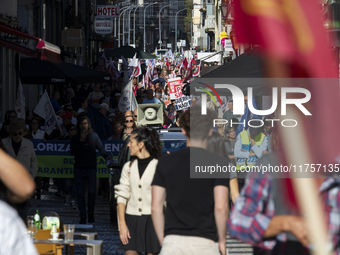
{"type": "Point", "coordinates": [216, 144]}
{"type": "Point", "coordinates": [71, 130]}
{"type": "Point", "coordinates": [129, 126]}
{"type": "Point", "coordinates": [83, 147]}
{"type": "Point", "coordinates": [133, 194]}
{"type": "Point", "coordinates": [10, 115]}
{"type": "Point", "coordinates": [35, 130]}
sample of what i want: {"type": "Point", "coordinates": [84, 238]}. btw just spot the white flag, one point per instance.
{"type": "Point", "coordinates": [45, 110]}
{"type": "Point", "coordinates": [133, 61]}
{"type": "Point", "coordinates": [127, 101]}
{"type": "Point", "coordinates": [20, 102]}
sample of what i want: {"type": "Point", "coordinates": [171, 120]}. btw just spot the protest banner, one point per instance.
{"type": "Point", "coordinates": [175, 88]}
{"type": "Point", "coordinates": [56, 161]}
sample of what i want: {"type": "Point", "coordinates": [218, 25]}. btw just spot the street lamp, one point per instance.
{"type": "Point", "coordinates": [160, 31]}
{"type": "Point", "coordinates": [176, 27]}
{"type": "Point", "coordinates": [129, 26]}
{"type": "Point", "coordinates": [144, 23]}
{"type": "Point", "coordinates": [191, 35]}
{"type": "Point", "coordinates": [115, 34]}
{"type": "Point", "coordinates": [121, 12]}
{"type": "Point", "coordinates": [134, 25]}
{"type": "Point", "coordinates": [130, 7]}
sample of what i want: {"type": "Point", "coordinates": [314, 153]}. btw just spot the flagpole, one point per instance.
{"type": "Point", "coordinates": [55, 116]}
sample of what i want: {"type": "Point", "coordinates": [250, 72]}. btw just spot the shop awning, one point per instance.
{"type": "Point", "coordinates": [44, 50]}
{"type": "Point", "coordinates": [36, 71]}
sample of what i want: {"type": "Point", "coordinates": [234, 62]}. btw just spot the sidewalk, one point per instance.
{"type": "Point", "coordinates": [106, 230]}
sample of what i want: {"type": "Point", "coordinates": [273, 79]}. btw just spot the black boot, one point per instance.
{"type": "Point", "coordinates": [82, 220]}
{"type": "Point", "coordinates": [90, 218]}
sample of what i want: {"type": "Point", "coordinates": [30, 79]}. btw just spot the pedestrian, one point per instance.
{"type": "Point", "coordinates": [133, 194]}
{"type": "Point", "coordinates": [9, 116]}
{"type": "Point", "coordinates": [22, 150]}
{"type": "Point", "coordinates": [117, 131]}
{"type": "Point", "coordinates": [83, 147]}
{"type": "Point", "coordinates": [261, 215]}
{"type": "Point", "coordinates": [196, 208]}
{"type": "Point", "coordinates": [216, 144]}
{"type": "Point", "coordinates": [129, 126]}
{"type": "Point", "coordinates": [35, 130]}
{"type": "Point", "coordinates": [16, 186]}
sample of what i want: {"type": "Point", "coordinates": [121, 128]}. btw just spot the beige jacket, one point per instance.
{"type": "Point", "coordinates": [26, 154]}
{"type": "Point", "coordinates": [134, 192]}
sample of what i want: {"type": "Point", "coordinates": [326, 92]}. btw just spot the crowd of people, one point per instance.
{"type": "Point", "coordinates": [161, 210]}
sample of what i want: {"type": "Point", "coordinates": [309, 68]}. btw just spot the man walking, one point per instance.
{"type": "Point", "coordinates": [83, 147]}
{"type": "Point", "coordinates": [197, 209]}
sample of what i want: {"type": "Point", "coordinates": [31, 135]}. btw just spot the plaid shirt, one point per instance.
{"type": "Point", "coordinates": [254, 209]}
{"type": "Point", "coordinates": [330, 195]}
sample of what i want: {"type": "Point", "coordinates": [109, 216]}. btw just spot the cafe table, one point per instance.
{"type": "Point", "coordinates": [94, 247]}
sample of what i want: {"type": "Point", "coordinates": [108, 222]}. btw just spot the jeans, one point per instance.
{"type": "Point", "coordinates": [80, 178]}
{"type": "Point", "coordinates": [70, 188]}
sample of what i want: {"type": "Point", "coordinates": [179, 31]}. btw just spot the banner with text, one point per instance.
{"type": "Point", "coordinates": [175, 88]}
{"type": "Point", "coordinates": [55, 159]}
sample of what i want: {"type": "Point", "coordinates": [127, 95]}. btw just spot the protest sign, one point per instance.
{"type": "Point", "coordinates": [55, 159]}
{"type": "Point", "coordinates": [175, 88]}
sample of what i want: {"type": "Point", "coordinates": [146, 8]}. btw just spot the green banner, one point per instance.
{"type": "Point", "coordinates": [55, 160]}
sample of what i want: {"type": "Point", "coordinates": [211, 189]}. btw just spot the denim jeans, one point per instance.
{"type": "Point", "coordinates": [80, 178]}
{"type": "Point", "coordinates": [70, 188]}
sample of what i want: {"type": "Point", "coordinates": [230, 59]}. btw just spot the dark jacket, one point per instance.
{"type": "Point", "coordinates": [85, 155]}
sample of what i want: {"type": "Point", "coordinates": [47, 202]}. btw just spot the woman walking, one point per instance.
{"type": "Point", "coordinates": [133, 194]}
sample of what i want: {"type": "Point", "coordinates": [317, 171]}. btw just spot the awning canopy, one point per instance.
{"type": "Point", "coordinates": [48, 50]}
{"type": "Point", "coordinates": [36, 71]}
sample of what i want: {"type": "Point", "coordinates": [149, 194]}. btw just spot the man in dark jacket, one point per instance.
{"type": "Point", "coordinates": [83, 147]}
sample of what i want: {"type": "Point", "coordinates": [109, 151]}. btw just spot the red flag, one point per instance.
{"type": "Point", "coordinates": [197, 71]}
{"type": "Point", "coordinates": [188, 72]}
{"type": "Point", "coordinates": [183, 67]}
{"type": "Point", "coordinates": [167, 64]}
{"type": "Point", "coordinates": [180, 63]}
{"type": "Point", "coordinates": [137, 71]}
{"type": "Point", "coordinates": [295, 44]}
{"type": "Point", "coordinates": [289, 30]}
{"type": "Point", "coordinates": [154, 73]}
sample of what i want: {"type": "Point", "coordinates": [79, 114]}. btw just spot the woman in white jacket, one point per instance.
{"type": "Point", "coordinates": [133, 194]}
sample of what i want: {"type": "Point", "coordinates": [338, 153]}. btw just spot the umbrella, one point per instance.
{"type": "Point", "coordinates": [36, 71]}
{"type": "Point", "coordinates": [128, 52]}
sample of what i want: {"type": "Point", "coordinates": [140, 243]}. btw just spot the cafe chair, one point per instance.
{"type": "Point", "coordinates": [47, 249]}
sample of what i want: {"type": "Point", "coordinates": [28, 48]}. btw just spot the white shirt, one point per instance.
{"type": "Point", "coordinates": [81, 110]}
{"type": "Point", "coordinates": [39, 134]}
{"type": "Point", "coordinates": [13, 233]}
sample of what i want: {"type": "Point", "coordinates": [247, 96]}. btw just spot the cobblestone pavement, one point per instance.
{"type": "Point", "coordinates": [106, 230]}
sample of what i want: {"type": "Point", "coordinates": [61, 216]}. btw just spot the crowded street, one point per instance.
{"type": "Point", "coordinates": [171, 127]}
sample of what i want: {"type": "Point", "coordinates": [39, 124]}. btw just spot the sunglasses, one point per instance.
{"type": "Point", "coordinates": [127, 121]}
{"type": "Point", "coordinates": [17, 133]}
{"type": "Point", "coordinates": [72, 129]}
